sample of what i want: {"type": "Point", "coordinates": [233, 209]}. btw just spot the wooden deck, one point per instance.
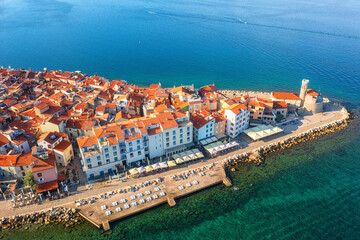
{"type": "Point", "coordinates": [94, 214]}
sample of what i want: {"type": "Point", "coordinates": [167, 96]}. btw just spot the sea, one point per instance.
{"type": "Point", "coordinates": [311, 191]}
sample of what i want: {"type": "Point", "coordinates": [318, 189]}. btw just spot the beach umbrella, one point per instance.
{"type": "Point", "coordinates": [164, 165]}
{"type": "Point", "coordinates": [179, 161]}
{"type": "Point", "coordinates": [156, 166]}
{"type": "Point", "coordinates": [133, 171]}
{"type": "Point", "coordinates": [171, 163]}
{"type": "Point", "coordinates": [149, 168]}
{"type": "Point", "coordinates": [141, 169]}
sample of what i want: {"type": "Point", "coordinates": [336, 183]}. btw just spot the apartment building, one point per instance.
{"type": "Point", "coordinates": [204, 125]}
{"type": "Point", "coordinates": [237, 119]}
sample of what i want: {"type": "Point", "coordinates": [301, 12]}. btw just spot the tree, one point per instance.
{"type": "Point", "coordinates": [279, 117]}
{"type": "Point", "coordinates": [29, 180]}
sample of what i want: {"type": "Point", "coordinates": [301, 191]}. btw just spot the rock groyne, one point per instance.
{"type": "Point", "coordinates": [67, 216]}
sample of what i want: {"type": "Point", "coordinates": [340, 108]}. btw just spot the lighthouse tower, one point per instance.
{"type": "Point", "coordinates": [304, 86]}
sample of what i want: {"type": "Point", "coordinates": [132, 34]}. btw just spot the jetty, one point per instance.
{"type": "Point", "coordinates": [120, 204]}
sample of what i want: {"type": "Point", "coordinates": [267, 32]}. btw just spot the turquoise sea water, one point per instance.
{"type": "Point", "coordinates": [309, 192]}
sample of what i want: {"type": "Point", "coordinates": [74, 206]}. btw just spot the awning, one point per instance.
{"type": "Point", "coordinates": [156, 166]}
{"type": "Point", "coordinates": [61, 177]}
{"type": "Point", "coordinates": [195, 150]}
{"type": "Point", "coordinates": [179, 161]}
{"type": "Point", "coordinates": [192, 156]}
{"type": "Point", "coordinates": [186, 158]}
{"type": "Point", "coordinates": [171, 163]}
{"type": "Point", "coordinates": [133, 171]}
{"type": "Point", "coordinates": [149, 168]}
{"type": "Point", "coordinates": [262, 131]}
{"type": "Point", "coordinates": [141, 169]}
{"type": "Point", "coordinates": [44, 187]}
{"type": "Point", "coordinates": [199, 155]}
{"type": "Point", "coordinates": [164, 165]}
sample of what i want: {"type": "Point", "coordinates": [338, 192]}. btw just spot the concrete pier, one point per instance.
{"type": "Point", "coordinates": [170, 189]}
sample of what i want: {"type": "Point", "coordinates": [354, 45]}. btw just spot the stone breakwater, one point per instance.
{"type": "Point", "coordinates": [69, 217]}
{"type": "Point", "coordinates": [257, 156]}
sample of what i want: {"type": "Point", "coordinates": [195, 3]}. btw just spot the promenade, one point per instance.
{"type": "Point", "coordinates": [331, 114]}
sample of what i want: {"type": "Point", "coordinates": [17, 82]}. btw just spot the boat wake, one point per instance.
{"type": "Point", "coordinates": [239, 20]}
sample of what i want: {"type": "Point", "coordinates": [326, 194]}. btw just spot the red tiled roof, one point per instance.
{"type": "Point", "coordinates": [43, 164]}
{"type": "Point", "coordinates": [238, 108]}
{"type": "Point", "coordinates": [167, 120]}
{"type": "Point", "coordinates": [87, 141]}
{"type": "Point", "coordinates": [312, 92]}
{"type": "Point", "coordinates": [283, 95]}
{"type": "Point", "coordinates": [279, 104]}
{"type": "Point", "coordinates": [8, 160]}
{"type": "Point", "coordinates": [3, 140]}
{"type": "Point", "coordinates": [44, 187]}
{"type": "Point", "coordinates": [62, 146]}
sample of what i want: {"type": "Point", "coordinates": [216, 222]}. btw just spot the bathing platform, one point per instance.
{"type": "Point", "coordinates": [122, 205]}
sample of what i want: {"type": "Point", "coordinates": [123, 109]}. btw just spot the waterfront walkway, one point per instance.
{"type": "Point", "coordinates": [309, 122]}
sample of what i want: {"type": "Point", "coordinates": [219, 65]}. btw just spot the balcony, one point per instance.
{"type": "Point", "coordinates": [91, 153]}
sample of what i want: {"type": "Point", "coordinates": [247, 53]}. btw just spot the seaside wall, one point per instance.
{"type": "Point", "coordinates": [257, 156]}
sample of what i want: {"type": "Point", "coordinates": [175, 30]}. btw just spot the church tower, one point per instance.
{"type": "Point", "coordinates": [303, 90]}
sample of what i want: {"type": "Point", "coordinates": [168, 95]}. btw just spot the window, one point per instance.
{"type": "Point", "coordinates": [130, 149]}
{"type": "Point", "coordinates": [131, 155]}
{"type": "Point", "coordinates": [174, 132]}
{"type": "Point", "coordinates": [174, 137]}
{"type": "Point", "coordinates": [115, 153]}
{"type": "Point", "coordinates": [181, 130]}
{"type": "Point", "coordinates": [167, 144]}
{"type": "Point", "coordinates": [167, 134]}
{"type": "Point", "coordinates": [174, 142]}
{"type": "Point", "coordinates": [107, 161]}
{"type": "Point", "coordinates": [147, 149]}
{"type": "Point", "coordinates": [188, 133]}
{"type": "Point", "coordinates": [39, 174]}
{"type": "Point", "coordinates": [98, 158]}
{"type": "Point", "coordinates": [106, 150]}
{"type": "Point", "coordinates": [145, 144]}
{"type": "Point", "coordinates": [167, 139]}
{"type": "Point", "coordinates": [99, 163]}
{"type": "Point", "coordinates": [181, 135]}
{"type": "Point", "coordinates": [188, 128]}
{"type": "Point", "coordinates": [115, 159]}
{"type": "Point", "coordinates": [138, 147]}
{"type": "Point", "coordinates": [138, 141]}
{"type": "Point", "coordinates": [107, 155]}
{"type": "Point", "coordinates": [88, 160]}
{"type": "Point", "coordinates": [139, 153]}
{"type": "Point", "coordinates": [130, 143]}
{"type": "Point", "coordinates": [181, 141]}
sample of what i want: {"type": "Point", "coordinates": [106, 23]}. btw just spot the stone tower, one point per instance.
{"type": "Point", "coordinates": [304, 86]}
